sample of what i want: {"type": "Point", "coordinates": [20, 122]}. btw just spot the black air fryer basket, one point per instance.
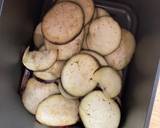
{"type": "Point", "coordinates": [17, 22]}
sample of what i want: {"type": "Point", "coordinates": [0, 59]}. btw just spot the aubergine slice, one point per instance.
{"type": "Point", "coordinates": [121, 57]}
{"type": "Point", "coordinates": [63, 22]}
{"type": "Point", "coordinates": [98, 111]}
{"type": "Point", "coordinates": [66, 51]}
{"type": "Point", "coordinates": [57, 110]}
{"type": "Point", "coordinates": [35, 92]}
{"type": "Point", "coordinates": [39, 60]}
{"type": "Point", "coordinates": [109, 81]}
{"type": "Point", "coordinates": [104, 35]}
{"type": "Point", "coordinates": [77, 74]}
{"type": "Point", "coordinates": [51, 74]}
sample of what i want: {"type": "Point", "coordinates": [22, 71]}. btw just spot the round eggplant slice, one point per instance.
{"type": "Point", "coordinates": [38, 36]}
{"type": "Point", "coordinates": [102, 12]}
{"type": "Point", "coordinates": [97, 56]}
{"type": "Point", "coordinates": [66, 51]}
{"type": "Point", "coordinates": [109, 81]}
{"type": "Point", "coordinates": [121, 57]}
{"type": "Point", "coordinates": [87, 7]}
{"type": "Point", "coordinates": [64, 93]}
{"type": "Point", "coordinates": [98, 111]}
{"type": "Point", "coordinates": [56, 110]}
{"type": "Point", "coordinates": [63, 22]}
{"type": "Point", "coordinates": [77, 75]}
{"type": "Point", "coordinates": [39, 60]}
{"type": "Point", "coordinates": [36, 92]}
{"type": "Point", "coordinates": [104, 35]}
{"type": "Point", "coordinates": [52, 73]}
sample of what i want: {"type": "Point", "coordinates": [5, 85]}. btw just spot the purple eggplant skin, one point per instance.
{"type": "Point", "coordinates": [25, 76]}
{"type": "Point", "coordinates": [46, 81]}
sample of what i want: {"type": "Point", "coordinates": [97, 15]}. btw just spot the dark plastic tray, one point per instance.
{"type": "Point", "coordinates": [123, 14]}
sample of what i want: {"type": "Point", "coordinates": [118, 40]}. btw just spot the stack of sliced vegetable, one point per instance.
{"type": "Point", "coordinates": [77, 69]}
